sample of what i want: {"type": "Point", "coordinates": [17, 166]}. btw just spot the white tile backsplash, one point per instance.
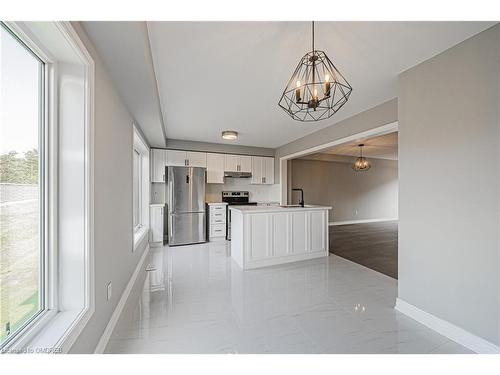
{"type": "Point", "coordinates": [258, 193]}
{"type": "Point", "coordinates": [213, 192]}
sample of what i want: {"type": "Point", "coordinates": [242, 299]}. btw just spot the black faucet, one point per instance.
{"type": "Point", "coordinates": [301, 202]}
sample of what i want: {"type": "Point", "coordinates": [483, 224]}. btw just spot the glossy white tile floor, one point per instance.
{"type": "Point", "coordinates": [199, 301]}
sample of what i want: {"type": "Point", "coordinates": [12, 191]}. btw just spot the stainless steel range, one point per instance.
{"type": "Point", "coordinates": [234, 198]}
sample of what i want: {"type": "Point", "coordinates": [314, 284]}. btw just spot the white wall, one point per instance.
{"type": "Point", "coordinates": [449, 217]}
{"type": "Point", "coordinates": [371, 194]}
{"type": "Point", "coordinates": [113, 233]}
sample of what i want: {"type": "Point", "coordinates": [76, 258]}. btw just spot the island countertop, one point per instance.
{"type": "Point", "coordinates": [269, 209]}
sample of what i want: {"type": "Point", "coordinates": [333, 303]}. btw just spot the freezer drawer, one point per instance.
{"type": "Point", "coordinates": [186, 228]}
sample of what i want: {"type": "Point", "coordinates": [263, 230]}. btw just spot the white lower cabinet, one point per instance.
{"type": "Point", "coordinates": [281, 228]}
{"type": "Point", "coordinates": [156, 224]}
{"type": "Point", "coordinates": [216, 221]}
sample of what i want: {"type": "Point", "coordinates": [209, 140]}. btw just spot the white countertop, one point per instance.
{"type": "Point", "coordinates": [216, 203]}
{"type": "Point", "coordinates": [156, 204]}
{"type": "Point", "coordinates": [255, 209]}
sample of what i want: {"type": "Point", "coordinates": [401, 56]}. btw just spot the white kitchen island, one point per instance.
{"type": "Point", "coordinates": [269, 235]}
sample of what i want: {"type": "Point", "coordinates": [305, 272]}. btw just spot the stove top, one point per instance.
{"type": "Point", "coordinates": [236, 198]}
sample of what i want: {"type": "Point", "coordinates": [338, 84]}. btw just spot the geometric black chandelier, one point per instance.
{"type": "Point", "coordinates": [316, 90]}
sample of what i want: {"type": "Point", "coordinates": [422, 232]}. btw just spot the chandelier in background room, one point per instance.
{"type": "Point", "coordinates": [316, 90]}
{"type": "Point", "coordinates": [361, 164]}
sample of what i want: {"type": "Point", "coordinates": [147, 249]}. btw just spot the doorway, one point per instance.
{"type": "Point", "coordinates": [363, 222]}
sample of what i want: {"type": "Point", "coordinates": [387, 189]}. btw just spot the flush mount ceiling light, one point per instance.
{"type": "Point", "coordinates": [316, 90]}
{"type": "Point", "coordinates": [230, 135]}
{"type": "Point", "coordinates": [361, 164]}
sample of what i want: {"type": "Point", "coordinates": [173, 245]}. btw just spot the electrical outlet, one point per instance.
{"type": "Point", "coordinates": [109, 290]}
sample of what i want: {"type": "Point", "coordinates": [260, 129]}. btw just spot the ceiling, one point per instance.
{"type": "Point", "coordinates": [214, 76]}
{"type": "Point", "coordinates": [381, 147]}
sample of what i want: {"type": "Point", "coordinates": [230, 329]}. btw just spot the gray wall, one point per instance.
{"type": "Point", "coordinates": [219, 147]}
{"type": "Point", "coordinates": [373, 193]}
{"type": "Point", "coordinates": [382, 114]}
{"type": "Point", "coordinates": [113, 239]}
{"type": "Point", "coordinates": [449, 259]}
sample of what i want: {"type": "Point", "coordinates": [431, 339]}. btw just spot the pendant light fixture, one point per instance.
{"type": "Point", "coordinates": [361, 164]}
{"type": "Point", "coordinates": [316, 90]}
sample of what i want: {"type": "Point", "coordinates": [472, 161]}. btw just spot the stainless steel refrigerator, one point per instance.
{"type": "Point", "coordinates": [186, 205]}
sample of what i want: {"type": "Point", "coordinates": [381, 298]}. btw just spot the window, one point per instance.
{"type": "Point", "coordinates": [140, 187]}
{"type": "Point", "coordinates": [46, 186]}
{"type": "Point", "coordinates": [137, 190]}
{"type": "Point", "coordinates": [22, 169]}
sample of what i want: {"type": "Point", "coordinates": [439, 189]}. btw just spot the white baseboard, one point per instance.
{"type": "Point", "coordinates": [362, 221]}
{"type": "Point", "coordinates": [447, 329]}
{"type": "Point", "coordinates": [101, 345]}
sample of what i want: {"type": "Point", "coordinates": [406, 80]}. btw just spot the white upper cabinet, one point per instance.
{"type": "Point", "coordinates": [256, 170]}
{"type": "Point", "coordinates": [232, 163]}
{"type": "Point", "coordinates": [176, 158]}
{"type": "Point", "coordinates": [269, 171]}
{"type": "Point", "coordinates": [238, 163]}
{"type": "Point", "coordinates": [196, 159]}
{"type": "Point", "coordinates": [262, 170]}
{"type": "Point", "coordinates": [246, 164]}
{"type": "Point", "coordinates": [215, 168]}
{"type": "Point", "coordinates": [158, 163]}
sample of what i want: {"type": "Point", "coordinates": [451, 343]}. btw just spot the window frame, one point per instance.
{"type": "Point", "coordinates": [139, 193]}
{"type": "Point", "coordinates": [140, 146]}
{"type": "Point", "coordinates": [53, 327]}
{"type": "Point", "coordinates": [44, 170]}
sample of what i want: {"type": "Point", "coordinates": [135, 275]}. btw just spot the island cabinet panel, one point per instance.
{"type": "Point", "coordinates": [299, 232]}
{"type": "Point", "coordinates": [259, 237]}
{"type": "Point", "coordinates": [318, 237]}
{"type": "Point", "coordinates": [280, 234]}
{"type": "Point", "coordinates": [265, 236]}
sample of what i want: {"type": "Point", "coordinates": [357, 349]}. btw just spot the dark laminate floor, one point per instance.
{"type": "Point", "coordinates": [373, 245]}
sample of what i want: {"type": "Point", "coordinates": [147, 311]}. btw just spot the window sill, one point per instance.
{"type": "Point", "coordinates": [139, 236]}
{"type": "Point", "coordinates": [54, 332]}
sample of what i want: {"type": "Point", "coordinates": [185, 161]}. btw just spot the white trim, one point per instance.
{"type": "Point", "coordinates": [333, 223]}
{"type": "Point", "coordinates": [101, 345]}
{"type": "Point", "coordinates": [447, 329]}
{"type": "Point", "coordinates": [139, 236]}
{"type": "Point", "coordinates": [380, 130]}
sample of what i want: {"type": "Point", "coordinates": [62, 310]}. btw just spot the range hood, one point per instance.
{"type": "Point", "coordinates": [237, 174]}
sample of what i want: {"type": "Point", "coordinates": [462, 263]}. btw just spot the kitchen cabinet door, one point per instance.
{"type": "Point", "coordinates": [245, 164]}
{"type": "Point", "coordinates": [157, 165]}
{"type": "Point", "coordinates": [215, 168]}
{"type": "Point", "coordinates": [232, 163]}
{"type": "Point", "coordinates": [257, 170]}
{"type": "Point", "coordinates": [156, 219]}
{"type": "Point", "coordinates": [269, 171]}
{"type": "Point", "coordinates": [176, 158]}
{"type": "Point", "coordinates": [196, 159]}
